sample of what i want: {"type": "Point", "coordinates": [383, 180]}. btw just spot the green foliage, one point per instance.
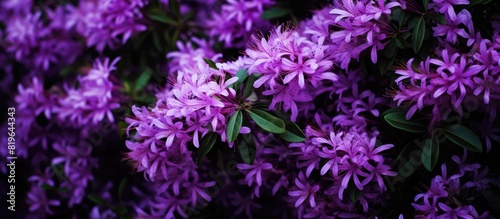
{"type": "Point", "coordinates": [275, 12]}
{"type": "Point", "coordinates": [430, 152]}
{"type": "Point", "coordinates": [210, 63]}
{"type": "Point", "coordinates": [242, 75]}
{"type": "Point", "coordinates": [353, 192]}
{"type": "Point", "coordinates": [248, 89]}
{"type": "Point", "coordinates": [206, 144]}
{"type": "Point", "coordinates": [142, 80]}
{"type": "Point", "coordinates": [96, 199]}
{"type": "Point", "coordinates": [247, 149]}
{"type": "Point", "coordinates": [234, 125]}
{"type": "Point", "coordinates": [418, 33]}
{"type": "Point", "coordinates": [292, 133]}
{"type": "Point", "coordinates": [267, 121]}
{"type": "Point", "coordinates": [464, 137]}
{"type": "Point", "coordinates": [398, 120]}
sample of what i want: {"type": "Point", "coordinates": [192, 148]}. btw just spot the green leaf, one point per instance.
{"type": "Point", "coordinates": [234, 125]}
{"type": "Point", "coordinates": [142, 80]}
{"type": "Point", "coordinates": [386, 63]}
{"type": "Point", "coordinates": [98, 200]}
{"type": "Point", "coordinates": [418, 34]}
{"type": "Point", "coordinates": [400, 43]}
{"type": "Point", "coordinates": [174, 38]}
{"type": "Point", "coordinates": [425, 4]}
{"type": "Point", "coordinates": [354, 193]}
{"type": "Point", "coordinates": [242, 74]}
{"type": "Point", "coordinates": [464, 137]}
{"type": "Point", "coordinates": [475, 2]}
{"type": "Point", "coordinates": [430, 152]}
{"type": "Point", "coordinates": [293, 133]}
{"type": "Point", "coordinates": [63, 189]}
{"type": "Point", "coordinates": [121, 187]}
{"type": "Point", "coordinates": [438, 18]}
{"type": "Point", "coordinates": [210, 63]}
{"type": "Point", "coordinates": [390, 49]}
{"type": "Point", "coordinates": [157, 42]}
{"type": "Point", "coordinates": [247, 149]}
{"type": "Point", "coordinates": [163, 18]}
{"type": "Point", "coordinates": [247, 91]}
{"type": "Point", "coordinates": [407, 150]}
{"type": "Point", "coordinates": [67, 70]}
{"type": "Point", "coordinates": [120, 210]}
{"type": "Point", "coordinates": [206, 144]}
{"type": "Point", "coordinates": [59, 171]}
{"type": "Point", "coordinates": [398, 120]}
{"type": "Point", "coordinates": [397, 15]}
{"type": "Point", "coordinates": [274, 12]}
{"type": "Point", "coordinates": [267, 121]}
{"type": "Point", "coordinates": [45, 186]}
{"type": "Point", "coordinates": [174, 7]}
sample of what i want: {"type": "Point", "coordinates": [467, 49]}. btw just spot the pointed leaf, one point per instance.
{"type": "Point", "coordinates": [274, 12]}
{"type": "Point", "coordinates": [425, 4]}
{"type": "Point", "coordinates": [206, 144]}
{"type": "Point", "coordinates": [121, 187]}
{"type": "Point", "coordinates": [247, 149]}
{"type": "Point", "coordinates": [430, 152]}
{"type": "Point", "coordinates": [234, 125]}
{"type": "Point", "coordinates": [174, 7]}
{"type": "Point", "coordinates": [267, 121]}
{"type": "Point", "coordinates": [463, 137]}
{"type": "Point", "coordinates": [398, 120]}
{"type": "Point", "coordinates": [98, 200]}
{"type": "Point", "coordinates": [162, 18]}
{"type": "Point", "coordinates": [242, 74]}
{"type": "Point", "coordinates": [418, 34]}
{"type": "Point", "coordinates": [142, 80]}
{"type": "Point", "coordinates": [354, 193]}
{"type": "Point", "coordinates": [210, 63]}
{"type": "Point", "coordinates": [292, 133]}
{"type": "Point", "coordinates": [248, 90]}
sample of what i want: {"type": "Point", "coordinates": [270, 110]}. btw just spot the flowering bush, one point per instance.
{"type": "Point", "coordinates": [250, 109]}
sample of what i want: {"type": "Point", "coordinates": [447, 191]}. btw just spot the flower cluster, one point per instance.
{"type": "Point", "coordinates": [319, 176]}
{"type": "Point", "coordinates": [445, 82]}
{"type": "Point", "coordinates": [359, 25]}
{"type": "Point", "coordinates": [189, 56]}
{"type": "Point", "coordinates": [92, 100]}
{"type": "Point", "coordinates": [237, 20]}
{"type": "Point", "coordinates": [445, 198]}
{"type": "Point", "coordinates": [83, 106]}
{"type": "Point", "coordinates": [108, 23]}
{"type": "Point", "coordinates": [41, 45]}
{"type": "Point", "coordinates": [286, 61]}
{"type": "Point", "coordinates": [343, 109]}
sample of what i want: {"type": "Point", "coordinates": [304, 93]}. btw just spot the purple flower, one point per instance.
{"type": "Point", "coordinates": [453, 213]}
{"type": "Point", "coordinates": [304, 191]}
{"type": "Point", "coordinates": [286, 61]}
{"type": "Point", "coordinates": [110, 22]}
{"type": "Point", "coordinates": [451, 29]}
{"type": "Point", "coordinates": [445, 197]}
{"type": "Point", "coordinates": [38, 201]}
{"type": "Point", "coordinates": [254, 172]}
{"type": "Point", "coordinates": [443, 83]}
{"type": "Point", "coordinates": [361, 26]}
{"type": "Point", "coordinates": [39, 45]}
{"type": "Point", "coordinates": [188, 56]}
{"type": "Point", "coordinates": [447, 6]}
{"type": "Point", "coordinates": [93, 99]}
{"type": "Point", "coordinates": [237, 20]}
